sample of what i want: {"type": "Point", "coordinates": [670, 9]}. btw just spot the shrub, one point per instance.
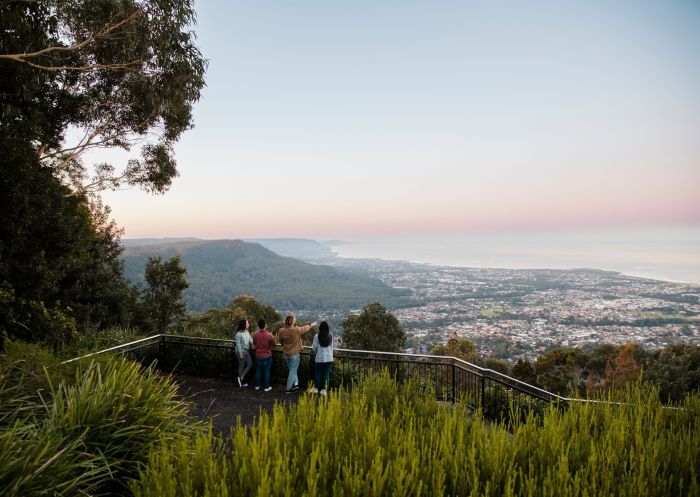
{"type": "Point", "coordinates": [119, 410]}
{"type": "Point", "coordinates": [34, 462]}
{"type": "Point", "coordinates": [81, 428]}
{"type": "Point", "coordinates": [388, 440]}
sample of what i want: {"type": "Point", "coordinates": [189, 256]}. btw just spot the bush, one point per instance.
{"type": "Point", "coordinates": [84, 427]}
{"type": "Point", "coordinates": [119, 410]}
{"type": "Point", "coordinates": [388, 440]}
{"type": "Point", "coordinates": [35, 461]}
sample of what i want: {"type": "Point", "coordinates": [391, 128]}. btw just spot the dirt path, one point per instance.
{"type": "Point", "coordinates": [223, 401]}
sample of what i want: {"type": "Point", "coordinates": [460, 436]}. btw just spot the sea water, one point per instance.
{"type": "Point", "coordinates": [669, 253]}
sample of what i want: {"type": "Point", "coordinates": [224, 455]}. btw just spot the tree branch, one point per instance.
{"type": "Point", "coordinates": [102, 34]}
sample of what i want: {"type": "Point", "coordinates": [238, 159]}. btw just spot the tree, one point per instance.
{"type": "Point", "coordinates": [122, 73]}
{"type": "Point", "coordinates": [460, 348]}
{"type": "Point", "coordinates": [374, 328]}
{"type": "Point", "coordinates": [561, 370]}
{"type": "Point", "coordinates": [676, 371]}
{"type": "Point", "coordinates": [245, 306]}
{"type": "Point", "coordinates": [163, 296]}
{"type": "Point", "coordinates": [523, 371]}
{"type": "Point", "coordinates": [625, 367]}
{"type": "Point", "coordinates": [222, 322]}
{"type": "Point", "coordinates": [59, 257]}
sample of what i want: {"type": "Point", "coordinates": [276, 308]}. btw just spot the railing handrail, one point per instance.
{"type": "Point", "coordinates": [456, 362]}
{"type": "Point", "coordinates": [115, 348]}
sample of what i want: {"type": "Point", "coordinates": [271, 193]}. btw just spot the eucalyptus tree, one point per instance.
{"type": "Point", "coordinates": [76, 75]}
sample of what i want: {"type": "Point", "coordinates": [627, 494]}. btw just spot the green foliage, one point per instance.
{"type": "Point", "coordinates": [118, 410]}
{"type": "Point", "coordinates": [460, 348]}
{"type": "Point", "coordinates": [37, 462]}
{"type": "Point", "coordinates": [30, 320]}
{"type": "Point", "coordinates": [120, 71]}
{"type": "Point", "coordinates": [163, 295]}
{"type": "Point", "coordinates": [81, 428]}
{"type": "Point", "coordinates": [560, 370]}
{"type": "Point", "coordinates": [387, 440]}
{"type": "Point", "coordinates": [221, 323]}
{"type": "Point", "coordinates": [59, 258]}
{"type": "Point", "coordinates": [675, 369]}
{"type": "Point", "coordinates": [93, 340]}
{"type": "Point", "coordinates": [375, 328]}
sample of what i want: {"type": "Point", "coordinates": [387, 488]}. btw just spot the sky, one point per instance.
{"type": "Point", "coordinates": [371, 118]}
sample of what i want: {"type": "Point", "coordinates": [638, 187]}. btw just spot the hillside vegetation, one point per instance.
{"type": "Point", "coordinates": [218, 270]}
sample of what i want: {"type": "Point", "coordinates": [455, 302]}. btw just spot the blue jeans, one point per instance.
{"type": "Point", "coordinates": [293, 364]}
{"type": "Point", "coordinates": [322, 374]}
{"type": "Point", "coordinates": [244, 364]}
{"type": "Point", "coordinates": [263, 368]}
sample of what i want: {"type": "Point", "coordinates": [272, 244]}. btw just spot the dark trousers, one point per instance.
{"type": "Point", "coordinates": [263, 369]}
{"type": "Point", "coordinates": [322, 373]}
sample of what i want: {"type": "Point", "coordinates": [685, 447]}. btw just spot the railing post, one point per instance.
{"type": "Point", "coordinates": [161, 352]}
{"type": "Point", "coordinates": [483, 391]}
{"type": "Point", "coordinates": [454, 389]}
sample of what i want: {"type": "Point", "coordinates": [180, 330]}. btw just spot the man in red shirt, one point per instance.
{"type": "Point", "coordinates": [264, 342]}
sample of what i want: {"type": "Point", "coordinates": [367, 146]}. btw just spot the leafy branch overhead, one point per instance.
{"type": "Point", "coordinates": [120, 73]}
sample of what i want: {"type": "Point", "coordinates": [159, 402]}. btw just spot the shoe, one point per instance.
{"type": "Point", "coordinates": [240, 384]}
{"type": "Point", "coordinates": [323, 392]}
{"type": "Point", "coordinates": [244, 385]}
{"type": "Point", "coordinates": [268, 389]}
{"type": "Point", "coordinates": [257, 388]}
{"type": "Point", "coordinates": [294, 388]}
{"type": "Point", "coordinates": [314, 390]}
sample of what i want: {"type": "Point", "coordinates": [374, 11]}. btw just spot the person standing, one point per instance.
{"type": "Point", "coordinates": [323, 349]}
{"type": "Point", "coordinates": [243, 343]}
{"type": "Point", "coordinates": [264, 342]}
{"type": "Point", "coordinates": [290, 338]}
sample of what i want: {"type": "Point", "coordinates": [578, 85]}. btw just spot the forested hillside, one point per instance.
{"type": "Point", "coordinates": [219, 270]}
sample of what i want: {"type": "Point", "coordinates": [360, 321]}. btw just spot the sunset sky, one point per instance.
{"type": "Point", "coordinates": [356, 118]}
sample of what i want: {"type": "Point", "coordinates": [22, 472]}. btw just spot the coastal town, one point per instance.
{"type": "Point", "coordinates": [513, 313]}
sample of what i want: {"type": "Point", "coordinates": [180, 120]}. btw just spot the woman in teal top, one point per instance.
{"type": "Point", "coordinates": [243, 343]}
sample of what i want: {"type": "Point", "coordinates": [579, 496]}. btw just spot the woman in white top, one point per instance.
{"type": "Point", "coordinates": [243, 343]}
{"type": "Point", "coordinates": [323, 348]}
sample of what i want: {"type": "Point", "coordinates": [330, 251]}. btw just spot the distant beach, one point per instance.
{"type": "Point", "coordinates": [667, 254]}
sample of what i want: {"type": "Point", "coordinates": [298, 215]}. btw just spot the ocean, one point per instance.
{"type": "Point", "coordinates": [667, 253]}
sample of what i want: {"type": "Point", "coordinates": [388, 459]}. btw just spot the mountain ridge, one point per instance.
{"type": "Point", "coordinates": [220, 270]}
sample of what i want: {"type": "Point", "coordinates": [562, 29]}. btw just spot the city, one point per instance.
{"type": "Point", "coordinates": [513, 313]}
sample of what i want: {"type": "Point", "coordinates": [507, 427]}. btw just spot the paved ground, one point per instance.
{"type": "Point", "coordinates": [223, 401]}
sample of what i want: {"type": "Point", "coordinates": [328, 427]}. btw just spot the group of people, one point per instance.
{"type": "Point", "coordinates": [289, 336]}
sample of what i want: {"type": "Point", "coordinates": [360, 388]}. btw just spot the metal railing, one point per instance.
{"type": "Point", "coordinates": [451, 378]}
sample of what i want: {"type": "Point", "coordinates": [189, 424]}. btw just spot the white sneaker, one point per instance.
{"type": "Point", "coordinates": [323, 392]}
{"type": "Point", "coordinates": [240, 383]}
{"type": "Point", "coordinates": [314, 390]}
{"type": "Point", "coordinates": [243, 385]}
{"type": "Point", "coordinates": [257, 388]}
{"type": "Point", "coordinates": [268, 389]}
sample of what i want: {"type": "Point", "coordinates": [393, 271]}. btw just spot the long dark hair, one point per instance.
{"type": "Point", "coordinates": [241, 325]}
{"type": "Point", "coordinates": [324, 334]}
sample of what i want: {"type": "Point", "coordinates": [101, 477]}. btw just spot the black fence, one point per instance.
{"type": "Point", "coordinates": [452, 379]}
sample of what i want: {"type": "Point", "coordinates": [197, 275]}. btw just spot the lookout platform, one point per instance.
{"type": "Point", "coordinates": [222, 401]}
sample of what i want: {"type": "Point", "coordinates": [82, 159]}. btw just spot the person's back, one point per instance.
{"type": "Point", "coordinates": [264, 343]}
{"type": "Point", "coordinates": [323, 348]}
{"type": "Point", "coordinates": [290, 338]}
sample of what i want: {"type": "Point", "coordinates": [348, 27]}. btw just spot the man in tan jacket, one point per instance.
{"type": "Point", "coordinates": [289, 337]}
